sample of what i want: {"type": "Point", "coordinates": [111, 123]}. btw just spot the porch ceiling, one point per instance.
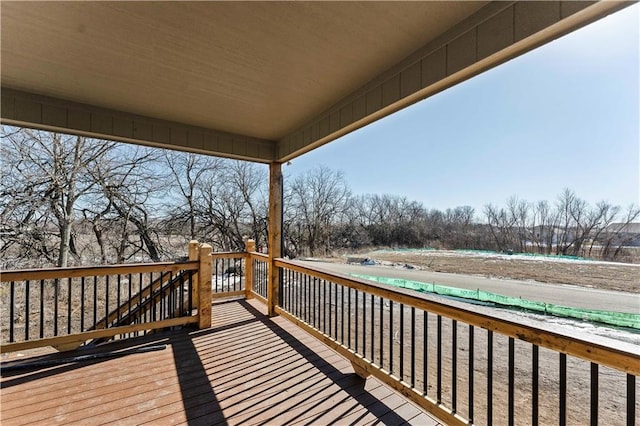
{"type": "Point", "coordinates": [263, 81]}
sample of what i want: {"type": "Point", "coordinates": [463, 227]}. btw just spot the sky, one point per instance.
{"type": "Point", "coordinates": [565, 115]}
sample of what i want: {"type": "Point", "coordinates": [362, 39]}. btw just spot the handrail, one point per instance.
{"type": "Point", "coordinates": [74, 340]}
{"type": "Point", "coordinates": [620, 359]}
{"type": "Point", "coordinates": [262, 256]}
{"type": "Point", "coordinates": [299, 303]}
{"type": "Point", "coordinates": [123, 308]}
{"type": "Point", "coordinates": [437, 353]}
{"type": "Point", "coordinates": [149, 295]}
{"type": "Point", "coordinates": [89, 271]}
{"type": "Point", "coordinates": [41, 327]}
{"type": "Point", "coordinates": [229, 255]}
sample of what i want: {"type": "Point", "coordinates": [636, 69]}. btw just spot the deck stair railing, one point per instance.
{"type": "Point", "coordinates": [69, 307]}
{"type": "Point", "coordinates": [168, 296]}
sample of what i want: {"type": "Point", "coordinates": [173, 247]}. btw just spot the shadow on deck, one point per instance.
{"type": "Point", "coordinates": [246, 369]}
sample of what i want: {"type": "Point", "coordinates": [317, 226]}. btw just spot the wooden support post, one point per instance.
{"type": "Point", "coordinates": [359, 370]}
{"type": "Point", "coordinates": [249, 247]}
{"type": "Point", "coordinates": [204, 287]}
{"type": "Point", "coordinates": [275, 235]}
{"type": "Point", "coordinates": [194, 249]}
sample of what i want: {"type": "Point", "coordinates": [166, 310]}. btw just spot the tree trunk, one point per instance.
{"type": "Point", "coordinates": [65, 238]}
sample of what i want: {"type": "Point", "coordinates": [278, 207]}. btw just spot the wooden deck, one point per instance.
{"type": "Point", "coordinates": [247, 369]}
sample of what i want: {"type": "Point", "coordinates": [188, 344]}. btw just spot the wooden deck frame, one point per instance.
{"type": "Point", "coordinates": [617, 358]}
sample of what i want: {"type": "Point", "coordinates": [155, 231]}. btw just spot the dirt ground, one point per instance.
{"type": "Point", "coordinates": [591, 274]}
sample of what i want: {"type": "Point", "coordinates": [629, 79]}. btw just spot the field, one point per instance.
{"type": "Point", "coordinates": [548, 269]}
{"type": "Point", "coordinates": [553, 270]}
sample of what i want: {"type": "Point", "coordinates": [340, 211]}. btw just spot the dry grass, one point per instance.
{"type": "Point", "coordinates": [600, 275]}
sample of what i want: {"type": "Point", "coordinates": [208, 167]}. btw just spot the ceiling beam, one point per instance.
{"type": "Point", "coordinates": [46, 113]}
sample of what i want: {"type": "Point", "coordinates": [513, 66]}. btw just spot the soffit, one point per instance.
{"type": "Point", "coordinates": [257, 69]}
{"type": "Point", "coordinates": [261, 81]}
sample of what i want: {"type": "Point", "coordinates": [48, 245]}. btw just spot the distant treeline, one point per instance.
{"type": "Point", "coordinates": [69, 200]}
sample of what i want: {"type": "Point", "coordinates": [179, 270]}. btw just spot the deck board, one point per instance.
{"type": "Point", "coordinates": [247, 369]}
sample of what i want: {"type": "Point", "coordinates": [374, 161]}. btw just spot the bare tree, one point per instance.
{"type": "Point", "coordinates": [187, 171]}
{"type": "Point", "coordinates": [518, 211]}
{"type": "Point", "coordinates": [601, 218]}
{"type": "Point", "coordinates": [24, 212]}
{"type": "Point", "coordinates": [52, 168]}
{"type": "Point", "coordinates": [130, 180]}
{"type": "Point", "coordinates": [351, 233]}
{"type": "Point", "coordinates": [317, 200]}
{"type": "Point", "coordinates": [618, 235]}
{"type": "Point", "coordinates": [231, 204]}
{"type": "Point", "coordinates": [459, 227]}
{"type": "Point", "coordinates": [544, 232]}
{"type": "Point", "coordinates": [572, 212]}
{"type": "Point", "coordinates": [249, 182]}
{"type": "Point", "coordinates": [501, 225]}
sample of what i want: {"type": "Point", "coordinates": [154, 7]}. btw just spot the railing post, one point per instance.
{"type": "Point", "coordinates": [249, 247]}
{"type": "Point", "coordinates": [194, 248]}
{"type": "Point", "coordinates": [275, 235]}
{"type": "Point", "coordinates": [204, 287]}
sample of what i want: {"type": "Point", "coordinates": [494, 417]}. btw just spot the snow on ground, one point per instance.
{"type": "Point", "coordinates": [572, 326]}
{"type": "Point", "coordinates": [502, 256]}
{"type": "Point", "coordinates": [567, 326]}
{"type": "Point", "coordinates": [226, 282]}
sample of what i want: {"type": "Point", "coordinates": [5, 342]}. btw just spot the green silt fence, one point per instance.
{"type": "Point", "coordinates": [620, 319]}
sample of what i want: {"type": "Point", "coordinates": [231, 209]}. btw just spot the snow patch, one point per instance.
{"type": "Point", "coordinates": [503, 256]}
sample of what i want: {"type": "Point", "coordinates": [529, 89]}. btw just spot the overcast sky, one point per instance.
{"type": "Point", "coordinates": [564, 115]}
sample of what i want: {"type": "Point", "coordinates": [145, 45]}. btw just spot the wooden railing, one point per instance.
{"type": "Point", "coordinates": [229, 271]}
{"type": "Point", "coordinates": [260, 265]}
{"type": "Point", "coordinates": [69, 307]}
{"type": "Point", "coordinates": [463, 366]}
